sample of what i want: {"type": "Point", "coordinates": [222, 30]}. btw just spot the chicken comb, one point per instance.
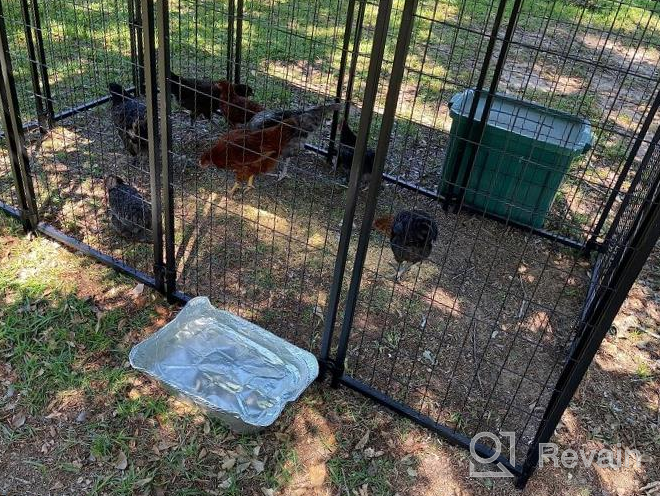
{"type": "Point", "coordinates": [384, 224]}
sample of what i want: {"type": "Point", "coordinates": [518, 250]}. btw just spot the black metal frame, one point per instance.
{"type": "Point", "coordinates": [11, 120]}
{"type": "Point", "coordinates": [151, 74]}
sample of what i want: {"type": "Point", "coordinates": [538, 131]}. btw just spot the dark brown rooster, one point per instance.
{"type": "Point", "coordinates": [235, 105]}
{"type": "Point", "coordinates": [203, 98]}
{"type": "Point", "coordinates": [252, 152]}
{"type": "Point", "coordinates": [411, 233]}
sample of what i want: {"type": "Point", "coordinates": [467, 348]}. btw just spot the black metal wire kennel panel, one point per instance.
{"type": "Point", "coordinates": [493, 331]}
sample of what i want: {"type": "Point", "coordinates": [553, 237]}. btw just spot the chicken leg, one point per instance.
{"type": "Point", "coordinates": [402, 269]}
{"type": "Point", "coordinates": [284, 172]}
{"type": "Point", "coordinates": [250, 184]}
{"type": "Point", "coordinates": [232, 191]}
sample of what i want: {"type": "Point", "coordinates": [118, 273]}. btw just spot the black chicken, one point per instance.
{"type": "Point", "coordinates": [130, 214]}
{"type": "Point", "coordinates": [412, 233]}
{"type": "Point", "coordinates": [202, 98]}
{"type": "Point", "coordinates": [129, 116]}
{"type": "Point", "coordinates": [313, 116]}
{"type": "Point", "coordinates": [347, 140]}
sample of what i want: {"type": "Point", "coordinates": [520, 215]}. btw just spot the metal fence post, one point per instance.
{"type": "Point", "coordinates": [616, 190]}
{"type": "Point", "coordinates": [463, 140]}
{"type": "Point", "coordinates": [34, 68]}
{"type": "Point", "coordinates": [167, 177]}
{"type": "Point", "coordinates": [231, 19]}
{"type": "Point", "coordinates": [340, 79]}
{"type": "Point", "coordinates": [476, 131]}
{"type": "Point", "coordinates": [136, 30]}
{"type": "Point", "coordinates": [387, 123]}
{"type": "Point", "coordinates": [591, 333]}
{"type": "Point", "coordinates": [151, 94]}
{"type": "Point", "coordinates": [239, 41]}
{"type": "Point", "coordinates": [18, 156]}
{"type": "Point", "coordinates": [43, 66]}
{"type": "Point", "coordinates": [370, 93]}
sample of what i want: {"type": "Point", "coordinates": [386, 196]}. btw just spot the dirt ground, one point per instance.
{"type": "Point", "coordinates": [113, 431]}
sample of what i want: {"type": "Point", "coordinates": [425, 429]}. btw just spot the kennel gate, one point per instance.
{"type": "Point", "coordinates": [629, 219]}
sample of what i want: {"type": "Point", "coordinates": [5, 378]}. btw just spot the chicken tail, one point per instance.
{"type": "Point", "coordinates": [384, 224]}
{"type": "Point", "coordinates": [118, 94]}
{"type": "Point", "coordinates": [311, 119]}
{"type": "Point", "coordinates": [243, 90]}
{"type": "Point", "coordinates": [347, 136]}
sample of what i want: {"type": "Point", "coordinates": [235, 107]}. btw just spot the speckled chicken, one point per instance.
{"type": "Point", "coordinates": [411, 233]}
{"type": "Point", "coordinates": [129, 116]}
{"type": "Point", "coordinates": [347, 141]}
{"type": "Point", "coordinates": [203, 98]}
{"type": "Point", "coordinates": [270, 118]}
{"type": "Point", "coordinates": [130, 214]}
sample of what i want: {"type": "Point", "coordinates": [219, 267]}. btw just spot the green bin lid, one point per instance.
{"type": "Point", "coordinates": [528, 119]}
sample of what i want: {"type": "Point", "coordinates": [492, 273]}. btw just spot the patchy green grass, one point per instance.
{"type": "Point", "coordinates": [76, 408]}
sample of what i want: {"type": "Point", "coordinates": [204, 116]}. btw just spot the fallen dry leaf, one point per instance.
{"type": "Point", "coordinates": [228, 463]}
{"type": "Point", "coordinates": [203, 452]}
{"type": "Point", "coordinates": [258, 466]}
{"type": "Point", "coordinates": [121, 324]}
{"type": "Point", "coordinates": [144, 482]}
{"type": "Point", "coordinates": [411, 472]}
{"type": "Point", "coordinates": [137, 291]}
{"type": "Point", "coordinates": [207, 427]}
{"type": "Point", "coordinates": [165, 444]}
{"type": "Point", "coordinates": [121, 462]}
{"type": "Point", "coordinates": [268, 491]}
{"type": "Point", "coordinates": [369, 453]}
{"type": "Point", "coordinates": [99, 317]}
{"type": "Point", "coordinates": [10, 392]}
{"type": "Point", "coordinates": [18, 420]}
{"type": "Point", "coordinates": [363, 441]}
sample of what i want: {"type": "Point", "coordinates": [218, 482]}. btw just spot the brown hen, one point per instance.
{"type": "Point", "coordinates": [235, 107]}
{"type": "Point", "coordinates": [249, 152]}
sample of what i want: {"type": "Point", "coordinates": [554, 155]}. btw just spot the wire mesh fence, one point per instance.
{"type": "Point", "coordinates": [503, 151]}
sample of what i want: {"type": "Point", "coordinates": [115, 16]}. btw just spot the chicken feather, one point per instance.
{"type": "Point", "coordinates": [412, 234]}
{"type": "Point", "coordinates": [129, 116]}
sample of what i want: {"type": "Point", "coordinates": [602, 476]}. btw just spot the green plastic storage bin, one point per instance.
{"type": "Point", "coordinates": [525, 152]}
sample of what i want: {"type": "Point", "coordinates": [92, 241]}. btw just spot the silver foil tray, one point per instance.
{"type": "Point", "coordinates": [232, 368]}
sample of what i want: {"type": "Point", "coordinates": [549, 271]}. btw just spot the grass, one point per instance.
{"type": "Point", "coordinates": [67, 354]}
{"type": "Point", "coordinates": [199, 44]}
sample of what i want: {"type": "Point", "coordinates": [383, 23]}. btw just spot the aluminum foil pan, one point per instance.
{"type": "Point", "coordinates": [232, 368]}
